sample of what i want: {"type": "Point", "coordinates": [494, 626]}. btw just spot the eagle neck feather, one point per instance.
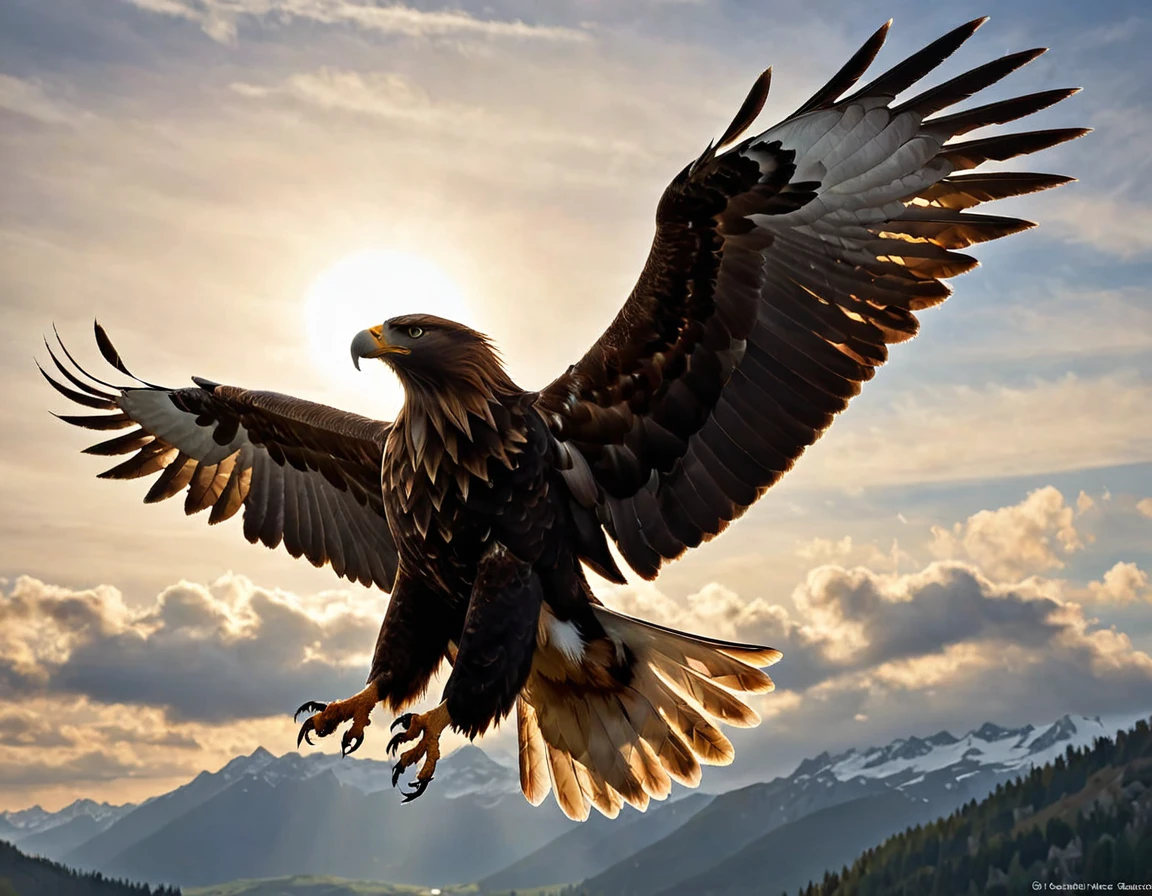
{"type": "Point", "coordinates": [443, 441]}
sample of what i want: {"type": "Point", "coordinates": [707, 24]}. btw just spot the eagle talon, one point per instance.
{"type": "Point", "coordinates": [394, 744]}
{"type": "Point", "coordinates": [327, 717]}
{"type": "Point", "coordinates": [425, 729]}
{"type": "Point", "coordinates": [350, 743]}
{"type": "Point", "coordinates": [418, 788]}
{"type": "Point", "coordinates": [305, 730]}
{"type": "Point", "coordinates": [311, 707]}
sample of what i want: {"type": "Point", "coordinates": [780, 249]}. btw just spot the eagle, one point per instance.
{"type": "Point", "coordinates": [783, 266]}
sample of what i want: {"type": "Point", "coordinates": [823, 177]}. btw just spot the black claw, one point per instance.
{"type": "Point", "coordinates": [350, 744]}
{"type": "Point", "coordinates": [305, 729]}
{"type": "Point", "coordinates": [394, 744]}
{"type": "Point", "coordinates": [405, 722]}
{"type": "Point", "coordinates": [312, 706]}
{"type": "Point", "coordinates": [418, 788]}
{"type": "Point", "coordinates": [397, 771]}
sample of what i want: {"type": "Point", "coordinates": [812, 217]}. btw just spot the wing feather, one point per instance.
{"type": "Point", "coordinates": [781, 271]}
{"type": "Point", "coordinates": [304, 475]}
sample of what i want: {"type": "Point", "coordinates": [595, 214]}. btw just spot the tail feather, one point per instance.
{"type": "Point", "coordinates": [727, 663]}
{"type": "Point", "coordinates": [534, 777]}
{"type": "Point", "coordinates": [570, 792]}
{"type": "Point", "coordinates": [705, 739]}
{"type": "Point", "coordinates": [632, 714]}
{"type": "Point", "coordinates": [674, 755]}
{"type": "Point", "coordinates": [713, 699]}
{"type": "Point", "coordinates": [604, 797]}
{"type": "Point", "coordinates": [609, 749]}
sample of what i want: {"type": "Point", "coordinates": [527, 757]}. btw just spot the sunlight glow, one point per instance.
{"type": "Point", "coordinates": [365, 289]}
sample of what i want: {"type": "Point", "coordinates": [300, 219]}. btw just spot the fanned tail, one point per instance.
{"type": "Point", "coordinates": [638, 710]}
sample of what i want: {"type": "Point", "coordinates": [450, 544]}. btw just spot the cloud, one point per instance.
{"type": "Point", "coordinates": [53, 746]}
{"type": "Point", "coordinates": [392, 96]}
{"type": "Point", "coordinates": [988, 634]}
{"type": "Point", "coordinates": [956, 433]}
{"type": "Point", "coordinates": [1072, 324]}
{"type": "Point", "coordinates": [141, 697]}
{"type": "Point", "coordinates": [383, 94]}
{"type": "Point", "coordinates": [845, 552]}
{"type": "Point", "coordinates": [850, 622]}
{"type": "Point", "coordinates": [1116, 223]}
{"type": "Point", "coordinates": [84, 768]}
{"type": "Point", "coordinates": [1145, 507]}
{"type": "Point", "coordinates": [33, 99]}
{"type": "Point", "coordinates": [224, 652]}
{"type": "Point", "coordinates": [220, 19]}
{"type": "Point", "coordinates": [946, 647]}
{"type": "Point", "coordinates": [1012, 542]}
{"type": "Point", "coordinates": [23, 728]}
{"type": "Point", "coordinates": [1124, 583]}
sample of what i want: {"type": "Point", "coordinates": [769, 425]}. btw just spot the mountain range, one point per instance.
{"type": "Point", "coordinates": [857, 797]}
{"type": "Point", "coordinates": [263, 816]}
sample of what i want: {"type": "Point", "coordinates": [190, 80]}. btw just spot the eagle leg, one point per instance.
{"type": "Point", "coordinates": [327, 717]}
{"type": "Point", "coordinates": [428, 726]}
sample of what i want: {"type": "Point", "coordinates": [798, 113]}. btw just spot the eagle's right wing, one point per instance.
{"type": "Point", "coordinates": [306, 475]}
{"type": "Point", "coordinates": [781, 270]}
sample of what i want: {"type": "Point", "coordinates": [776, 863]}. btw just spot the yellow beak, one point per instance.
{"type": "Point", "coordinates": [372, 344]}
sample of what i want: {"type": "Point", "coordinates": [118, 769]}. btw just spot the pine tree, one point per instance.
{"type": "Point", "coordinates": [1098, 864]}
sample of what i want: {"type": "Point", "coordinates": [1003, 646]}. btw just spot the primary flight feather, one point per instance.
{"type": "Point", "coordinates": [783, 266]}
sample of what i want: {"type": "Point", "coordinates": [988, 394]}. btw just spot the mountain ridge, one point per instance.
{"type": "Point", "coordinates": [938, 771]}
{"type": "Point", "coordinates": [935, 773]}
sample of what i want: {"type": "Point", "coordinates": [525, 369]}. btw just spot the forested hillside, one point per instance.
{"type": "Point", "coordinates": [22, 875]}
{"type": "Point", "coordinates": [1084, 818]}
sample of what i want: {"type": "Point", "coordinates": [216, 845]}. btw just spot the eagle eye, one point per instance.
{"type": "Point", "coordinates": [415, 332]}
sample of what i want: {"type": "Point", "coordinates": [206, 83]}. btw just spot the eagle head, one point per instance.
{"type": "Point", "coordinates": [430, 353]}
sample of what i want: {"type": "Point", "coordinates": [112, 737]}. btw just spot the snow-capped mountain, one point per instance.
{"type": "Point", "coordinates": [26, 822]}
{"type": "Point", "coordinates": [468, 771]}
{"type": "Point", "coordinates": [860, 795]}
{"type": "Point", "coordinates": [916, 764]}
{"type": "Point", "coordinates": [266, 816]}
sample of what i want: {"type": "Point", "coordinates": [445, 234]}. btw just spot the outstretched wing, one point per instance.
{"type": "Point", "coordinates": [306, 475]}
{"type": "Point", "coordinates": [780, 271]}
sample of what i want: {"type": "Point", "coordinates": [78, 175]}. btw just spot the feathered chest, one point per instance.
{"type": "Point", "coordinates": [449, 477]}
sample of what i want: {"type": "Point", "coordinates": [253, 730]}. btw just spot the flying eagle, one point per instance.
{"type": "Point", "coordinates": [782, 267]}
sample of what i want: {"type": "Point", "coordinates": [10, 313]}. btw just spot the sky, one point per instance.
{"type": "Point", "coordinates": [971, 541]}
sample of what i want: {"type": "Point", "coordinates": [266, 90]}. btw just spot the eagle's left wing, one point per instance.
{"type": "Point", "coordinates": [306, 475]}
{"type": "Point", "coordinates": [780, 271]}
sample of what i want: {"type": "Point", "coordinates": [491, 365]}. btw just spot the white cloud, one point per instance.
{"type": "Point", "coordinates": [1115, 223]}
{"type": "Point", "coordinates": [946, 639]}
{"type": "Point", "coordinates": [224, 652]}
{"type": "Point", "coordinates": [1124, 583]}
{"type": "Point", "coordinates": [958, 433]}
{"type": "Point", "coordinates": [1070, 323]}
{"type": "Point", "coordinates": [1033, 536]}
{"type": "Point", "coordinates": [393, 96]}
{"type": "Point", "coordinates": [220, 19]}
{"type": "Point", "coordinates": [1145, 507]}
{"type": "Point", "coordinates": [32, 98]}
{"type": "Point", "coordinates": [384, 94]}
{"type": "Point", "coordinates": [847, 552]}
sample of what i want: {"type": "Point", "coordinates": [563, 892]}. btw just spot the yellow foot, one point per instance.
{"type": "Point", "coordinates": [330, 716]}
{"type": "Point", "coordinates": [428, 725]}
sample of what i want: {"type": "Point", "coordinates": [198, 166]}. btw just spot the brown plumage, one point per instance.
{"type": "Point", "coordinates": [783, 266]}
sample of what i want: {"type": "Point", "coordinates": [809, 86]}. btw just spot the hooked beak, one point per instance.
{"type": "Point", "coordinates": [372, 344]}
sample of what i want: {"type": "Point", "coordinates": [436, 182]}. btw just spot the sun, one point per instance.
{"type": "Point", "coordinates": [364, 289]}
